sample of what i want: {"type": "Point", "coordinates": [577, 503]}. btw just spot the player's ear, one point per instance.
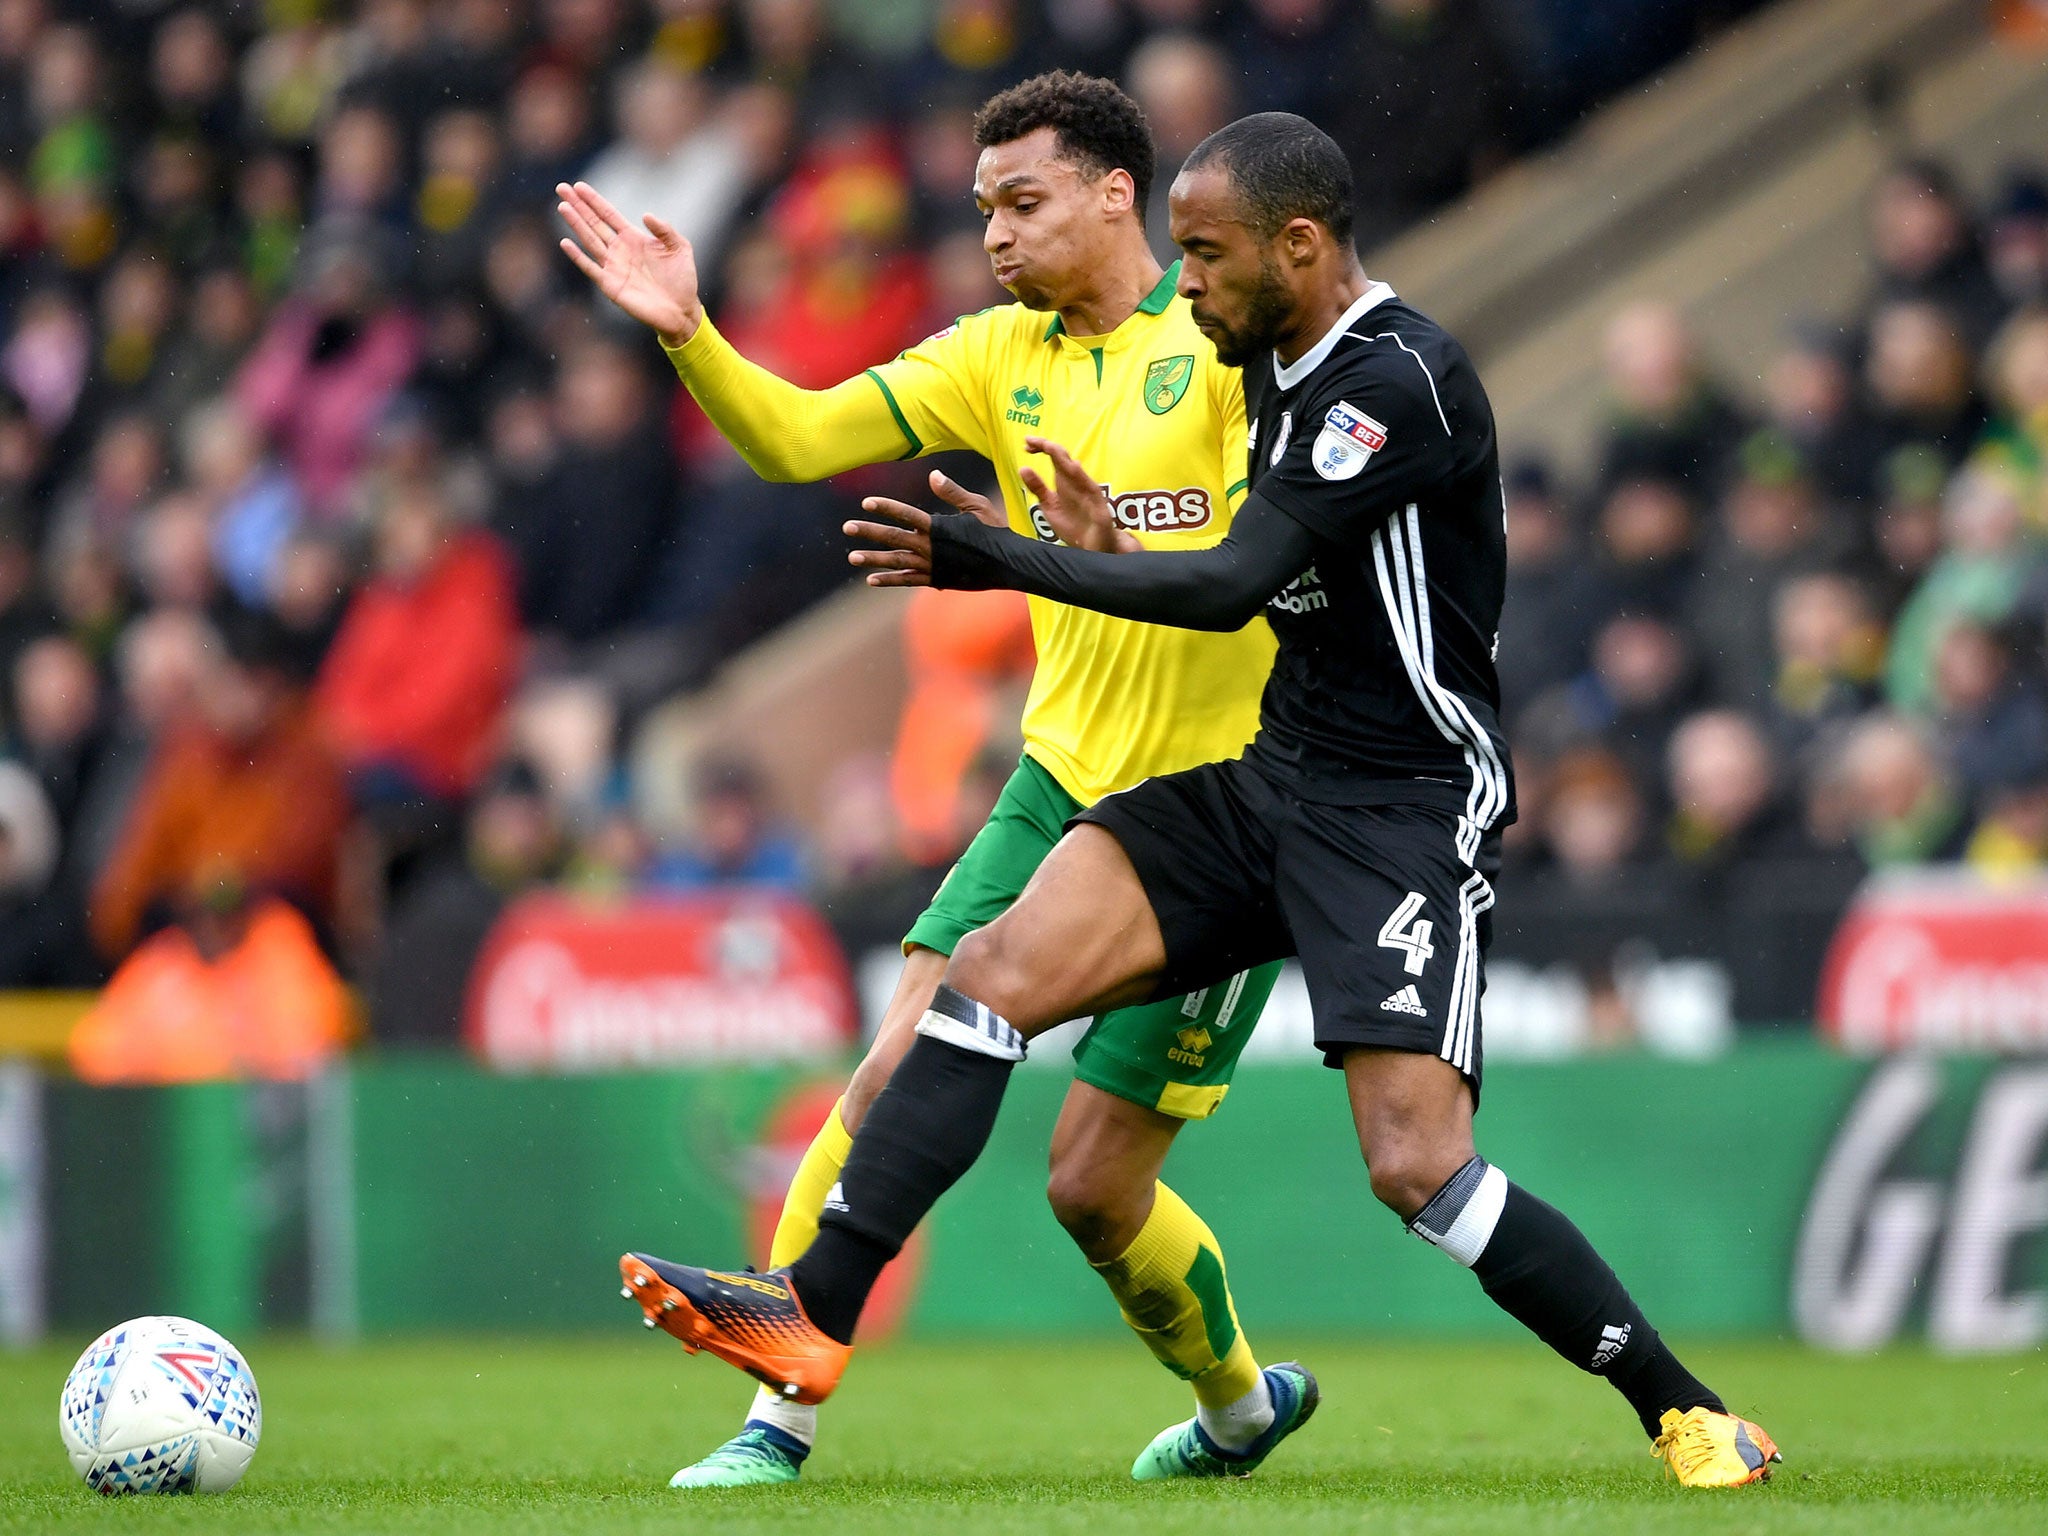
{"type": "Point", "coordinates": [1302, 240]}
{"type": "Point", "coordinates": [1119, 192]}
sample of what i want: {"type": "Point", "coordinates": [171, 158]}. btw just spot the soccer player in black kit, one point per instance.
{"type": "Point", "coordinates": [1359, 831]}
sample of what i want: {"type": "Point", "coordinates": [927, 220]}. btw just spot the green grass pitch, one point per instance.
{"type": "Point", "coordinates": [571, 1436]}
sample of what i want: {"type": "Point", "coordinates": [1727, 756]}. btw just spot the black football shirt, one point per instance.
{"type": "Point", "coordinates": [1380, 441]}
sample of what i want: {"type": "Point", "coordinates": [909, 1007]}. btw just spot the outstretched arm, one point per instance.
{"type": "Point", "coordinates": [1221, 588]}
{"type": "Point", "coordinates": [783, 432]}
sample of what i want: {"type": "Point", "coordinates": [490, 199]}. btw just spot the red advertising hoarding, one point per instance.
{"type": "Point", "coordinates": [565, 985]}
{"type": "Point", "coordinates": [1939, 960]}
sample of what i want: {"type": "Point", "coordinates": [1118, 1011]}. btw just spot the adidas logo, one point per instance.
{"type": "Point", "coordinates": [1613, 1341]}
{"type": "Point", "coordinates": [835, 1198]}
{"type": "Point", "coordinates": [1405, 1001]}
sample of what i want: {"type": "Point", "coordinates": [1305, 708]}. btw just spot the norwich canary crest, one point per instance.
{"type": "Point", "coordinates": [1166, 381]}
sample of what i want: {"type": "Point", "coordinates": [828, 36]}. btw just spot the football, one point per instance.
{"type": "Point", "coordinates": [160, 1405]}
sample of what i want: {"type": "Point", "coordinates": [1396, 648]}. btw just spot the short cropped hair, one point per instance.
{"type": "Point", "coordinates": [1283, 167]}
{"type": "Point", "coordinates": [1100, 128]}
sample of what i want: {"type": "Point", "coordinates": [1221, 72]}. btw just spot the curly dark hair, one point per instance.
{"type": "Point", "coordinates": [1283, 167]}
{"type": "Point", "coordinates": [1100, 128]}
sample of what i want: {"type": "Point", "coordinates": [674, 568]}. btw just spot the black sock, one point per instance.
{"type": "Point", "coordinates": [1539, 1269]}
{"type": "Point", "coordinates": [921, 1134]}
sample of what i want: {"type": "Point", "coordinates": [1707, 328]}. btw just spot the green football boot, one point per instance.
{"type": "Point", "coordinates": [1187, 1451]}
{"type": "Point", "coordinates": [759, 1453]}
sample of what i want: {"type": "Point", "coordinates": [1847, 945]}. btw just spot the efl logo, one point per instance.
{"type": "Point", "coordinates": [1348, 440]}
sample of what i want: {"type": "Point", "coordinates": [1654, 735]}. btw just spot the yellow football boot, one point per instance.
{"type": "Point", "coordinates": [1705, 1449]}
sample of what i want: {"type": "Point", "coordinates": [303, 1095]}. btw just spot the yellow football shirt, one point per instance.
{"type": "Point", "coordinates": [1150, 410]}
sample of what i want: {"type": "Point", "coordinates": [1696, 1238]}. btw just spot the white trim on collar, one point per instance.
{"type": "Point", "coordinates": [1287, 375]}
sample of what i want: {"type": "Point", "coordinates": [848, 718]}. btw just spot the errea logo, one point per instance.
{"type": "Point", "coordinates": [1024, 404]}
{"type": "Point", "coordinates": [1193, 1042]}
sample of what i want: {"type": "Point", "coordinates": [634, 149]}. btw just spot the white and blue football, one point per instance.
{"type": "Point", "coordinates": [160, 1405]}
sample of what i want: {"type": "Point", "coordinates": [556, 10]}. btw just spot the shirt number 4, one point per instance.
{"type": "Point", "coordinates": [1408, 933]}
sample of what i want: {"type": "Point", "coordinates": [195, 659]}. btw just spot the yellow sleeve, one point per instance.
{"type": "Point", "coordinates": [782, 431]}
{"type": "Point", "coordinates": [1228, 384]}
{"type": "Point", "coordinates": [936, 387]}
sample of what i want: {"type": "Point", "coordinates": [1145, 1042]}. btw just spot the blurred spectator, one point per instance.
{"type": "Point", "coordinates": [969, 655]}
{"type": "Point", "coordinates": [239, 799]}
{"type": "Point", "coordinates": [1829, 651]}
{"type": "Point", "coordinates": [1648, 551]}
{"type": "Point", "coordinates": [458, 187]}
{"type": "Point", "coordinates": [1911, 483]}
{"type": "Point", "coordinates": [58, 716]}
{"type": "Point", "coordinates": [594, 526]}
{"type": "Point", "coordinates": [2016, 374]}
{"type": "Point", "coordinates": [1593, 819]}
{"type": "Point", "coordinates": [676, 156]}
{"type": "Point", "coordinates": [1896, 800]}
{"type": "Point", "coordinates": [74, 165]}
{"type": "Point", "coordinates": [1424, 112]}
{"type": "Point", "coordinates": [1918, 377]}
{"type": "Point", "coordinates": [414, 685]}
{"type": "Point", "coordinates": [1184, 83]}
{"type": "Point", "coordinates": [48, 358]}
{"type": "Point", "coordinates": [218, 327]}
{"type": "Point", "coordinates": [431, 939]}
{"type": "Point", "coordinates": [1810, 396]}
{"type": "Point", "coordinates": [1773, 527]}
{"type": "Point", "coordinates": [328, 364]}
{"type": "Point", "coordinates": [1994, 716]}
{"type": "Point", "coordinates": [1670, 421]}
{"type": "Point", "coordinates": [124, 470]}
{"type": "Point", "coordinates": [172, 555]}
{"type": "Point", "coordinates": [549, 132]}
{"type": "Point", "coordinates": [1988, 559]}
{"type": "Point", "coordinates": [192, 78]}
{"type": "Point", "coordinates": [1725, 794]}
{"type": "Point", "coordinates": [2017, 246]}
{"type": "Point", "coordinates": [242, 991]}
{"type": "Point", "coordinates": [29, 840]}
{"type": "Point", "coordinates": [1925, 251]}
{"type": "Point", "coordinates": [253, 505]}
{"type": "Point", "coordinates": [734, 839]}
{"type": "Point", "coordinates": [1641, 683]}
{"type": "Point", "coordinates": [2011, 841]}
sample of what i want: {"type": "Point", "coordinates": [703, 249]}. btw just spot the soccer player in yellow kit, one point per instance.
{"type": "Point", "coordinates": [1101, 354]}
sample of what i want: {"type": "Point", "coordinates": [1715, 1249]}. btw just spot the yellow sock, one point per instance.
{"type": "Point", "coordinates": [815, 1176]}
{"type": "Point", "coordinates": [1171, 1286]}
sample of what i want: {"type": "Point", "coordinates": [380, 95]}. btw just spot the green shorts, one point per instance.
{"type": "Point", "coordinates": [1175, 1055]}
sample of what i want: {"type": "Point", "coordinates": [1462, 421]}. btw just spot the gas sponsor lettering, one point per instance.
{"type": "Point", "coordinates": [1180, 511]}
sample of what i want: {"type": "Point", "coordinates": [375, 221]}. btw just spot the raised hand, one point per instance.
{"type": "Point", "coordinates": [905, 560]}
{"type": "Point", "coordinates": [651, 274]}
{"type": "Point", "coordinates": [1075, 505]}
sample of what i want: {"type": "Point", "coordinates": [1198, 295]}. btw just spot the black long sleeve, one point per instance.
{"type": "Point", "coordinates": [1220, 588]}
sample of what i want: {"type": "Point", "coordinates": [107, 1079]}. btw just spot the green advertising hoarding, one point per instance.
{"type": "Point", "coordinates": [1781, 1184]}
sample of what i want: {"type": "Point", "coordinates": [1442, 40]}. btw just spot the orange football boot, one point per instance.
{"type": "Point", "coordinates": [752, 1321]}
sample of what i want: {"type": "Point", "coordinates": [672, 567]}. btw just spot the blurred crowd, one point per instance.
{"type": "Point", "coordinates": [1802, 623]}
{"type": "Point", "coordinates": [345, 542]}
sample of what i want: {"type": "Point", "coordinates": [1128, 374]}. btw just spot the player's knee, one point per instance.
{"type": "Point", "coordinates": [1095, 1215]}
{"type": "Point", "coordinates": [986, 968]}
{"type": "Point", "coordinates": [1405, 1174]}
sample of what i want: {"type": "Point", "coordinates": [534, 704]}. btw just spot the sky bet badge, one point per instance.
{"type": "Point", "coordinates": [1349, 438]}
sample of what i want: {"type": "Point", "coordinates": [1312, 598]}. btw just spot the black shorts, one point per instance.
{"type": "Point", "coordinates": [1390, 924]}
